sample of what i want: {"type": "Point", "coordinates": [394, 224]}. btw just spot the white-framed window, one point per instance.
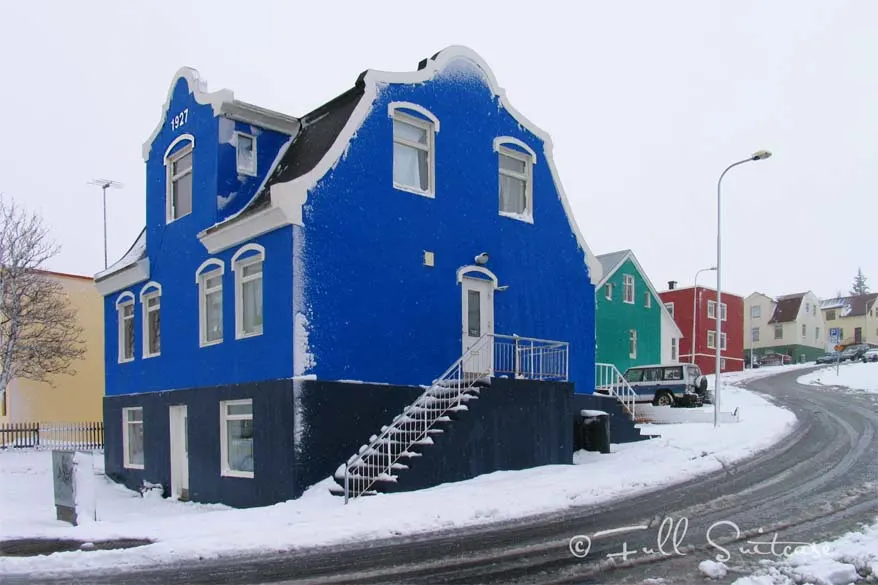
{"type": "Point", "coordinates": [209, 278]}
{"type": "Point", "coordinates": [647, 300]}
{"type": "Point", "coordinates": [236, 440]}
{"type": "Point", "coordinates": [723, 312]}
{"type": "Point", "coordinates": [755, 312]}
{"type": "Point", "coordinates": [722, 341]}
{"type": "Point", "coordinates": [817, 333]}
{"type": "Point", "coordinates": [711, 339]}
{"type": "Point", "coordinates": [516, 183]}
{"type": "Point", "coordinates": [125, 315]}
{"type": "Point", "coordinates": [778, 331]}
{"type": "Point", "coordinates": [674, 350]}
{"type": "Point", "coordinates": [804, 330]}
{"type": "Point", "coordinates": [150, 302]}
{"type": "Point", "coordinates": [413, 154]}
{"type": "Point", "coordinates": [179, 170]}
{"type": "Point", "coordinates": [754, 334]}
{"type": "Point", "coordinates": [722, 364]}
{"type": "Point", "coordinates": [132, 437]}
{"type": "Point", "coordinates": [711, 309]}
{"type": "Point", "coordinates": [830, 315]}
{"type": "Point", "coordinates": [609, 289]}
{"type": "Point", "coordinates": [632, 344]}
{"type": "Point", "coordinates": [248, 290]}
{"type": "Point", "coordinates": [628, 288]}
{"type": "Point", "coordinates": [670, 308]}
{"type": "Point", "coordinates": [245, 153]}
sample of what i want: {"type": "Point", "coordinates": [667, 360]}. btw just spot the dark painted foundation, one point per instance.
{"type": "Point", "coordinates": [304, 429]}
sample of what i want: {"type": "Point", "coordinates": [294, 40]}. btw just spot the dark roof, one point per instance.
{"type": "Point", "coordinates": [610, 261]}
{"type": "Point", "coordinates": [319, 131]}
{"type": "Point", "coordinates": [787, 308]}
{"type": "Point", "coordinates": [860, 304]}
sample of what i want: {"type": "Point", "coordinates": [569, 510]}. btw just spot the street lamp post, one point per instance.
{"type": "Point", "coordinates": [695, 309]}
{"type": "Point", "coordinates": [105, 184]}
{"type": "Point", "coordinates": [758, 155]}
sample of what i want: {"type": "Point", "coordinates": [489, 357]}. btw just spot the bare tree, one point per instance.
{"type": "Point", "coordinates": [39, 332]}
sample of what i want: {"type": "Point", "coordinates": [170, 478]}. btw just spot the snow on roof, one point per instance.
{"type": "Point", "coordinates": [135, 253]}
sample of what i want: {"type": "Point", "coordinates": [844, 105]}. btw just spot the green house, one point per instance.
{"type": "Point", "coordinates": [632, 325]}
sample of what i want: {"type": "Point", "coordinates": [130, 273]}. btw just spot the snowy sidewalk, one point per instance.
{"type": "Point", "coordinates": [854, 376]}
{"type": "Point", "coordinates": [186, 530]}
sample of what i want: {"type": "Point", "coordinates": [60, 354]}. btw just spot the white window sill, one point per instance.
{"type": "Point", "coordinates": [170, 220]}
{"type": "Point", "coordinates": [243, 335]}
{"type": "Point", "coordinates": [209, 343]}
{"type": "Point", "coordinates": [146, 356]}
{"type": "Point", "coordinates": [628, 302]}
{"type": "Point", "coordinates": [414, 190]}
{"type": "Point", "coordinates": [126, 361]}
{"type": "Point", "coordinates": [522, 217]}
{"type": "Point", "coordinates": [239, 474]}
{"type": "Point", "coordinates": [132, 466]}
{"type": "Point", "coordinates": [247, 172]}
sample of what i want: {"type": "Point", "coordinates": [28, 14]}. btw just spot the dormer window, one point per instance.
{"type": "Point", "coordinates": [246, 153]}
{"type": "Point", "coordinates": [178, 162]}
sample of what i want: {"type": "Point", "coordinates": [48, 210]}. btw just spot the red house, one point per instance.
{"type": "Point", "coordinates": [700, 303]}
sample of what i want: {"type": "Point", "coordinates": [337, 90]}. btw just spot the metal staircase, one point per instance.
{"type": "Point", "coordinates": [609, 380]}
{"type": "Point", "coordinates": [384, 457]}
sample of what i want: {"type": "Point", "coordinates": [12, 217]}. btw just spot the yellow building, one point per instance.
{"type": "Point", "coordinates": [856, 317]}
{"type": "Point", "coordinates": [74, 398]}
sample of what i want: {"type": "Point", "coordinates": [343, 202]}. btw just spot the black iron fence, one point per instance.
{"type": "Point", "coordinates": [52, 435]}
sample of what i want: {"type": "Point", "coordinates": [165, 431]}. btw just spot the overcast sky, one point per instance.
{"type": "Point", "coordinates": [647, 102]}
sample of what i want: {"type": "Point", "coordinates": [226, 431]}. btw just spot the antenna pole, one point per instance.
{"type": "Point", "coordinates": [105, 184]}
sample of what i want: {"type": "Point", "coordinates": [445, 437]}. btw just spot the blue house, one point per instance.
{"type": "Point", "coordinates": [395, 276]}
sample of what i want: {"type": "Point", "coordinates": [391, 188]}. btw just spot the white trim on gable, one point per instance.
{"type": "Point", "coordinates": [131, 275]}
{"type": "Point", "coordinates": [290, 197]}
{"type": "Point", "coordinates": [198, 90]}
{"type": "Point", "coordinates": [176, 141]}
{"type": "Point", "coordinates": [464, 270]}
{"type": "Point", "coordinates": [501, 140]}
{"type": "Point", "coordinates": [209, 262]}
{"type": "Point", "coordinates": [393, 106]}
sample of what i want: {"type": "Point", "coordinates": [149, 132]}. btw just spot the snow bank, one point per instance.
{"type": "Point", "coordinates": [848, 559]}
{"type": "Point", "coordinates": [856, 376]}
{"type": "Point", "coordinates": [184, 531]}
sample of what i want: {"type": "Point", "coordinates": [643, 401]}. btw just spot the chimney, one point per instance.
{"type": "Point", "coordinates": [672, 284]}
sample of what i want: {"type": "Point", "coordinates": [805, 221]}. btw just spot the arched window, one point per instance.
{"type": "Point", "coordinates": [178, 173]}
{"type": "Point", "coordinates": [516, 160]}
{"type": "Point", "coordinates": [414, 148]}
{"type": "Point", "coordinates": [247, 264]}
{"type": "Point", "coordinates": [125, 317]}
{"type": "Point", "coordinates": [209, 278]}
{"type": "Point", "coordinates": [150, 302]}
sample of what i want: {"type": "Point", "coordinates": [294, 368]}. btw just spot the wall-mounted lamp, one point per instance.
{"type": "Point", "coordinates": [482, 259]}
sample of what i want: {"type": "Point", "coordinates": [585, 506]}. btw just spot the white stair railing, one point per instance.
{"type": "Point", "coordinates": [609, 380]}
{"type": "Point", "coordinates": [491, 356]}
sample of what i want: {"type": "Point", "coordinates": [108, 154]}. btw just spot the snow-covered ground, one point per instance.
{"type": "Point", "coordinates": [187, 530]}
{"type": "Point", "coordinates": [852, 558]}
{"type": "Point", "coordinates": [856, 376]}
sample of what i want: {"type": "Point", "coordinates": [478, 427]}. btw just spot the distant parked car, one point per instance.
{"type": "Point", "coordinates": [829, 358]}
{"type": "Point", "coordinates": [775, 359]}
{"type": "Point", "coordinates": [870, 355]}
{"type": "Point", "coordinates": [849, 354]}
{"type": "Point", "coordinates": [859, 350]}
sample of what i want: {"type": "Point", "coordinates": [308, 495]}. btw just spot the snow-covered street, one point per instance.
{"type": "Point", "coordinates": [190, 531]}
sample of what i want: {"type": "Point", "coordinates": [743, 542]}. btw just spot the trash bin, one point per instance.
{"type": "Point", "coordinates": [595, 430]}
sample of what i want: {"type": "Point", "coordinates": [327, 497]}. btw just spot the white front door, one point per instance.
{"type": "Point", "coordinates": [179, 451]}
{"type": "Point", "coordinates": [478, 320]}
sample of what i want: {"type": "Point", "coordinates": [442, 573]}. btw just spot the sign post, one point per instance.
{"type": "Point", "coordinates": [834, 340]}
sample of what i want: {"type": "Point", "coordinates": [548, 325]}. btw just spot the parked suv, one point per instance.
{"type": "Point", "coordinates": [668, 384]}
{"type": "Point", "coordinates": [871, 355]}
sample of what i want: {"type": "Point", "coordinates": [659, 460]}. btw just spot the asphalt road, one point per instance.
{"type": "Point", "coordinates": [820, 482]}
